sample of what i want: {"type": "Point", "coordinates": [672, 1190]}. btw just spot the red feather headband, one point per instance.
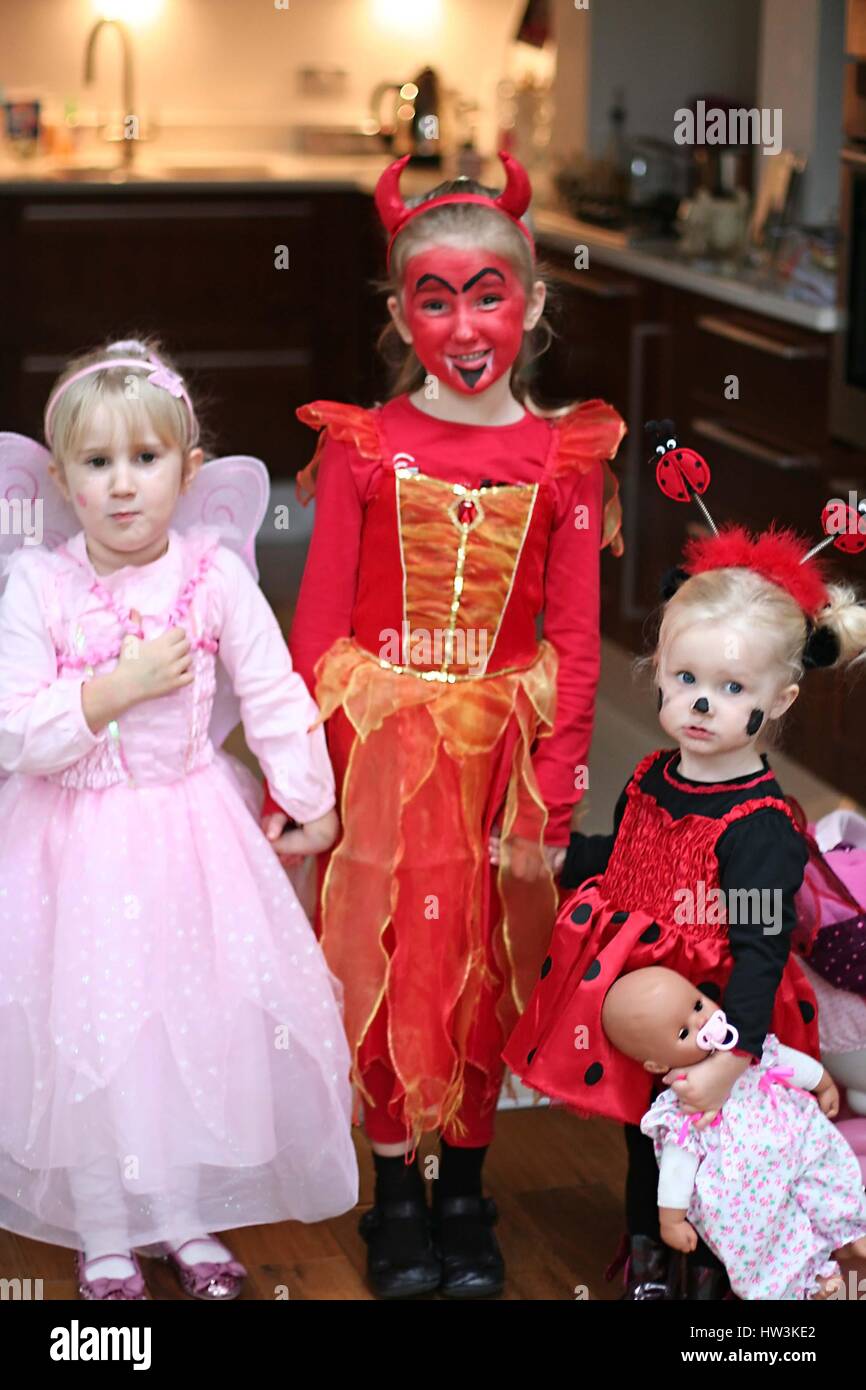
{"type": "Point", "coordinates": [512, 202]}
{"type": "Point", "coordinates": [778, 555]}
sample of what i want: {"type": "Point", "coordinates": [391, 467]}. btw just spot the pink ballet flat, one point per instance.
{"type": "Point", "coordinates": [133, 1287]}
{"type": "Point", "coordinates": [209, 1279]}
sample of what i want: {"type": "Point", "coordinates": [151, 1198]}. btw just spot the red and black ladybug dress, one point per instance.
{"type": "Point", "coordinates": [646, 898]}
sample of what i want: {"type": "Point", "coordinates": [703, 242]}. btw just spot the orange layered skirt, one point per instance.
{"type": "Point", "coordinates": [412, 915]}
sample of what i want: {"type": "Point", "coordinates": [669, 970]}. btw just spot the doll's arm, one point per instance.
{"type": "Point", "coordinates": [677, 1171]}
{"type": "Point", "coordinates": [762, 856]}
{"type": "Point", "coordinates": [811, 1076]}
{"type": "Point", "coordinates": [42, 724]}
{"type": "Point", "coordinates": [330, 580]}
{"type": "Point", "coordinates": [277, 710]}
{"type": "Point", "coordinates": [571, 624]}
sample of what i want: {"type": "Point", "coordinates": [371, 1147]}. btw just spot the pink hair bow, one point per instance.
{"type": "Point", "coordinates": [167, 379]}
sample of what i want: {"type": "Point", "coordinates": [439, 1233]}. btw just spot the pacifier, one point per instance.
{"type": "Point", "coordinates": [717, 1034]}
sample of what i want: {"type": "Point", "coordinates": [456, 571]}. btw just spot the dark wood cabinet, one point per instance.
{"type": "Point", "coordinates": [200, 270]}
{"type": "Point", "coordinates": [654, 351]}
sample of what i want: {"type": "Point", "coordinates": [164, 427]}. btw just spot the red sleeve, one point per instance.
{"type": "Point", "coordinates": [571, 624]}
{"type": "Point", "coordinates": [327, 595]}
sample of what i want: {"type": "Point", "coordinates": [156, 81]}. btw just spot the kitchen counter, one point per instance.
{"type": "Point", "coordinates": [173, 172]}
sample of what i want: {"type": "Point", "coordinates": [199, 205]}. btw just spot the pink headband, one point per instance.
{"type": "Point", "coordinates": [160, 375]}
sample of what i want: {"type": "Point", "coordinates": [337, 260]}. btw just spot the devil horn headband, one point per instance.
{"type": "Point", "coordinates": [512, 201]}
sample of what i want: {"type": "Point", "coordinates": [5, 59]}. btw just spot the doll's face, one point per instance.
{"type": "Point", "coordinates": [717, 687]}
{"type": "Point", "coordinates": [465, 312]}
{"type": "Point", "coordinates": [124, 489]}
{"type": "Point", "coordinates": [655, 1015]}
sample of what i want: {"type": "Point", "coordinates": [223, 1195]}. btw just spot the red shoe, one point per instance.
{"type": "Point", "coordinates": [131, 1288]}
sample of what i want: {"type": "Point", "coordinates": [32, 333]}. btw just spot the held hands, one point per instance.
{"type": "Point", "coordinates": [291, 846]}
{"type": "Point", "coordinates": [524, 861]}
{"type": "Point", "coordinates": [706, 1086]}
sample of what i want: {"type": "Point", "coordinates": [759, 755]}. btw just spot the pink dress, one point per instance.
{"type": "Point", "coordinates": [772, 1188]}
{"type": "Point", "coordinates": [173, 1052]}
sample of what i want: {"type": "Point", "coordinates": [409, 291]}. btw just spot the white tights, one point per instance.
{"type": "Point", "coordinates": [101, 1208]}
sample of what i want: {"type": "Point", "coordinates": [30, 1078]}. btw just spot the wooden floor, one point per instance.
{"type": "Point", "coordinates": [557, 1181]}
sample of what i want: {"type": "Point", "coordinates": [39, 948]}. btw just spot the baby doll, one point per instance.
{"type": "Point", "coordinates": [770, 1185]}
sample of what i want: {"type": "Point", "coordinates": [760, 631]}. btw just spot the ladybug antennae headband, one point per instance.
{"type": "Point", "coordinates": [512, 202]}
{"type": "Point", "coordinates": [779, 555]}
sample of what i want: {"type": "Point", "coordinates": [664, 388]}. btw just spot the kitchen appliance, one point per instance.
{"type": "Point", "coordinates": [414, 123]}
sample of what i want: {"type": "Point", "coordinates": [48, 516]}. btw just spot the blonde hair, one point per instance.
{"type": "Point", "coordinates": [140, 406]}
{"type": "Point", "coordinates": [746, 598]}
{"type": "Point", "coordinates": [461, 225]}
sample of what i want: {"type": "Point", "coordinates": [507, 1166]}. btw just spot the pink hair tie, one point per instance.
{"type": "Point", "coordinates": [159, 375]}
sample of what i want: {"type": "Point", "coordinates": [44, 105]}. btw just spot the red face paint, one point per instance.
{"type": "Point", "coordinates": [465, 311]}
{"type": "Point", "coordinates": [82, 501]}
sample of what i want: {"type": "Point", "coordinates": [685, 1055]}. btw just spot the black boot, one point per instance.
{"type": "Point", "coordinates": [706, 1285]}
{"type": "Point", "coordinates": [472, 1263]}
{"type": "Point", "coordinates": [652, 1272]}
{"type": "Point", "coordinates": [401, 1261]}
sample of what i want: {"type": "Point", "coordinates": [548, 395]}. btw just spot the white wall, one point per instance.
{"type": "Point", "coordinates": [801, 65]}
{"type": "Point", "coordinates": [662, 53]}
{"type": "Point", "coordinates": [208, 59]}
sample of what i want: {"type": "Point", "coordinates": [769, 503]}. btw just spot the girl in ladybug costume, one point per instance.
{"type": "Point", "coordinates": [706, 855]}
{"type": "Point", "coordinates": [446, 520]}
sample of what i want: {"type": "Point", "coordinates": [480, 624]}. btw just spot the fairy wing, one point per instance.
{"type": "Point", "coordinates": [32, 509]}
{"type": "Point", "coordinates": [231, 494]}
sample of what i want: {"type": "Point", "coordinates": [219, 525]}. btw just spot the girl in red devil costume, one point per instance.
{"type": "Point", "coordinates": [701, 871]}
{"type": "Point", "coordinates": [447, 519]}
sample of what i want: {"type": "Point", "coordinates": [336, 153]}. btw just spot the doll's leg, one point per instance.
{"type": "Point", "coordinates": [652, 1271]}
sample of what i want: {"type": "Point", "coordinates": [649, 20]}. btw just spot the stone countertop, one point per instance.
{"type": "Point", "coordinates": [306, 173]}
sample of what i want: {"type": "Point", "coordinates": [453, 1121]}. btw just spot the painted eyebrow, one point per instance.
{"type": "Point", "coordinates": [488, 270]}
{"type": "Point", "coordinates": [438, 280]}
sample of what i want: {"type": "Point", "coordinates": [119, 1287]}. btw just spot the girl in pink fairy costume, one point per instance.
{"type": "Point", "coordinates": [175, 1062]}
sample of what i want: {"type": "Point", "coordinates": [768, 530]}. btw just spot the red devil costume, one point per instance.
{"type": "Point", "coordinates": [436, 546]}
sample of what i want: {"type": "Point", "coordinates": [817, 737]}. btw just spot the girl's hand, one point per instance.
{"type": "Point", "coordinates": [827, 1095]}
{"type": "Point", "coordinates": [707, 1085]}
{"type": "Point", "coordinates": [555, 856]}
{"type": "Point", "coordinates": [524, 861]}
{"type": "Point", "coordinates": [273, 827]}
{"type": "Point", "coordinates": [679, 1235]}
{"type": "Point", "coordinates": [147, 670]}
{"type": "Point", "coordinates": [312, 838]}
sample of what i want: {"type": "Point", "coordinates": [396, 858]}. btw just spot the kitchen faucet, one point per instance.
{"type": "Point", "coordinates": [89, 67]}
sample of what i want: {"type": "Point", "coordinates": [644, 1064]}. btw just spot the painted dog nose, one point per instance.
{"type": "Point", "coordinates": [701, 706]}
